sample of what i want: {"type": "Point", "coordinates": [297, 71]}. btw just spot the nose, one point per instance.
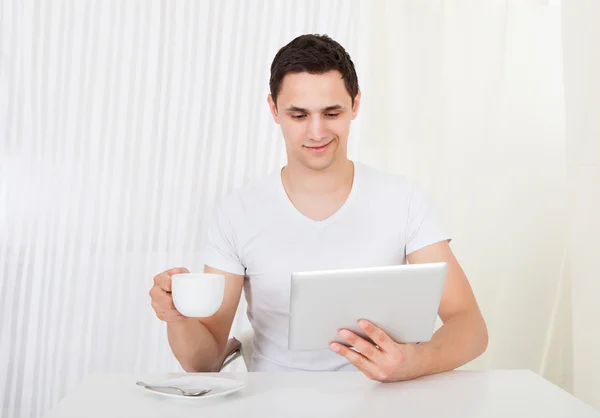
{"type": "Point", "coordinates": [317, 131]}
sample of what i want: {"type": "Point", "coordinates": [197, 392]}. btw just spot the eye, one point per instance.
{"type": "Point", "coordinates": [298, 117]}
{"type": "Point", "coordinates": [332, 115]}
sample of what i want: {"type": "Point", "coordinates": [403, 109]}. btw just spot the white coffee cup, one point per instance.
{"type": "Point", "coordinates": [197, 295]}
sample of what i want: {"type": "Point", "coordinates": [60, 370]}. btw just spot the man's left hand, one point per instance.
{"type": "Point", "coordinates": [386, 361]}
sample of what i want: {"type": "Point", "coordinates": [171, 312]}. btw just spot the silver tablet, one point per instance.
{"type": "Point", "coordinates": [402, 300]}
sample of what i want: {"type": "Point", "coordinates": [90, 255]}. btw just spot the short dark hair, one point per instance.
{"type": "Point", "coordinates": [313, 54]}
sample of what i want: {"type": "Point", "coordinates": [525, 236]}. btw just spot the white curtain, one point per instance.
{"type": "Point", "coordinates": [123, 123]}
{"type": "Point", "coordinates": [467, 97]}
{"type": "Point", "coordinates": [581, 46]}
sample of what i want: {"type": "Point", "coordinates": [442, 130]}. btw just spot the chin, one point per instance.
{"type": "Point", "coordinates": [319, 165]}
{"type": "Point", "coordinates": [321, 162]}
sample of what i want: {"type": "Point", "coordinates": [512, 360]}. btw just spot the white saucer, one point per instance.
{"type": "Point", "coordinates": [220, 386]}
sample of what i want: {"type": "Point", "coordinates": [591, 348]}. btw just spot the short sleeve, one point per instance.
{"type": "Point", "coordinates": [424, 226]}
{"type": "Point", "coordinates": [221, 251]}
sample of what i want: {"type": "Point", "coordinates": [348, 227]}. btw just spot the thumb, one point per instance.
{"type": "Point", "coordinates": [166, 278]}
{"type": "Point", "coordinates": [178, 270]}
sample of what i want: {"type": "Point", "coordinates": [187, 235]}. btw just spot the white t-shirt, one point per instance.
{"type": "Point", "coordinates": [257, 232]}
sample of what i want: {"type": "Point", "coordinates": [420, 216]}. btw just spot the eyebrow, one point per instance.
{"type": "Point", "coordinates": [326, 109]}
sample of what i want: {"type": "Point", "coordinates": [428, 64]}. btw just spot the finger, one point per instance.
{"type": "Point", "coordinates": [160, 280]}
{"type": "Point", "coordinates": [162, 306]}
{"type": "Point", "coordinates": [164, 279]}
{"type": "Point", "coordinates": [361, 362]}
{"type": "Point", "coordinates": [177, 270]}
{"type": "Point", "coordinates": [380, 338]}
{"type": "Point", "coordinates": [364, 347]}
{"type": "Point", "coordinates": [161, 300]}
{"type": "Point", "coordinates": [165, 282]}
{"type": "Point", "coordinates": [165, 301]}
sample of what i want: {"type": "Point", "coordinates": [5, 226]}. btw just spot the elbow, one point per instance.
{"type": "Point", "coordinates": [189, 368]}
{"type": "Point", "coordinates": [196, 368]}
{"type": "Point", "coordinates": [198, 361]}
{"type": "Point", "coordinates": [483, 340]}
{"type": "Point", "coordinates": [484, 344]}
{"type": "Point", "coordinates": [201, 364]}
{"type": "Point", "coordinates": [194, 365]}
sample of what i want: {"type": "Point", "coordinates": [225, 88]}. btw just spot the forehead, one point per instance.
{"type": "Point", "coordinates": [313, 90]}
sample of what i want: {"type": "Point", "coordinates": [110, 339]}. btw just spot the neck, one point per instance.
{"type": "Point", "coordinates": [298, 179]}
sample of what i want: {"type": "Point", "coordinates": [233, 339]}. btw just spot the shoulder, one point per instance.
{"type": "Point", "coordinates": [249, 197]}
{"type": "Point", "coordinates": [388, 184]}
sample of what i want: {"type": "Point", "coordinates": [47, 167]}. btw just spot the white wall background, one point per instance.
{"type": "Point", "coordinates": [123, 123]}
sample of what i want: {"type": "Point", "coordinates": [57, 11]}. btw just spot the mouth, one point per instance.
{"type": "Point", "coordinates": [320, 148]}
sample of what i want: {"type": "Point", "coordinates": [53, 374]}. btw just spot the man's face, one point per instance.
{"type": "Point", "coordinates": [314, 112]}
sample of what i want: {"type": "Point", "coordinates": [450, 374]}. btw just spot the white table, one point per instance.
{"type": "Point", "coordinates": [461, 394]}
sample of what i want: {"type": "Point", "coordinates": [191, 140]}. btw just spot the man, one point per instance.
{"type": "Point", "coordinates": [321, 211]}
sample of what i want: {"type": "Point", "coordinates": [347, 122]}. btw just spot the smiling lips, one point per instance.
{"type": "Point", "coordinates": [319, 149]}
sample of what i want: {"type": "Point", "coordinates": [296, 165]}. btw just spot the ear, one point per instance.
{"type": "Point", "coordinates": [273, 108]}
{"type": "Point", "coordinates": [356, 105]}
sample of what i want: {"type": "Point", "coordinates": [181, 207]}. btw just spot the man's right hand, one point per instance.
{"type": "Point", "coordinates": [162, 300]}
{"type": "Point", "coordinates": [199, 344]}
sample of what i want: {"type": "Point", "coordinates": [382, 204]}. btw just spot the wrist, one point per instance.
{"type": "Point", "coordinates": [181, 323]}
{"type": "Point", "coordinates": [424, 359]}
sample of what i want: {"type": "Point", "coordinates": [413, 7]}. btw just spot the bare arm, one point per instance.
{"type": "Point", "coordinates": [463, 337]}
{"type": "Point", "coordinates": [199, 343]}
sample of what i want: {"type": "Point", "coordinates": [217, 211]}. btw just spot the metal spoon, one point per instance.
{"type": "Point", "coordinates": [182, 391]}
